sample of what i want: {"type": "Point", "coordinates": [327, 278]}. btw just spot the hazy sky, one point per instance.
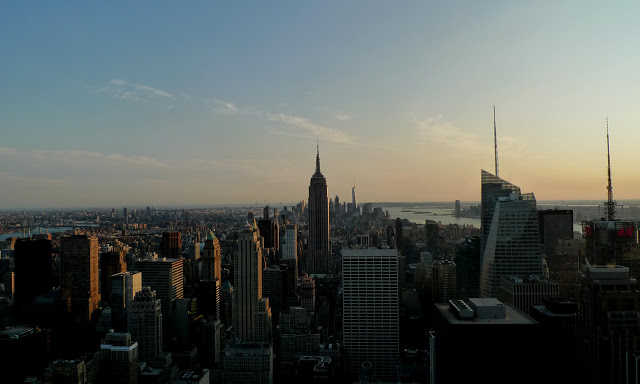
{"type": "Point", "coordinates": [216, 102]}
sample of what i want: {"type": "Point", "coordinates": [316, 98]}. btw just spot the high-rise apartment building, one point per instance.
{"type": "Point", "coordinates": [211, 258]}
{"type": "Point", "coordinates": [319, 259]}
{"type": "Point", "coordinates": [248, 265]}
{"type": "Point", "coordinates": [146, 324]}
{"type": "Point", "coordinates": [79, 275]}
{"type": "Point", "coordinates": [371, 311]}
{"type": "Point", "coordinates": [510, 234]}
{"type": "Point", "coordinates": [289, 246]}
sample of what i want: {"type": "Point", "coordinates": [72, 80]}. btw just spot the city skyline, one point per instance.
{"type": "Point", "coordinates": [186, 105]}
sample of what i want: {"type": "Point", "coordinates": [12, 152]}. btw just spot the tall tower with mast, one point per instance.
{"type": "Point", "coordinates": [610, 204]}
{"type": "Point", "coordinates": [495, 140]}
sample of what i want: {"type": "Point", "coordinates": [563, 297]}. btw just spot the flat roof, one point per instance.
{"type": "Point", "coordinates": [513, 316]}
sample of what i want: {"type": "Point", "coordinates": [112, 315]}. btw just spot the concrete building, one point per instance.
{"type": "Point", "coordinates": [211, 258]}
{"type": "Point", "coordinates": [308, 294]}
{"type": "Point", "coordinates": [289, 245]}
{"type": "Point", "coordinates": [609, 324]}
{"type": "Point", "coordinates": [146, 324]}
{"type": "Point", "coordinates": [119, 355]}
{"type": "Point", "coordinates": [554, 225]}
{"type": "Point", "coordinates": [124, 287]}
{"type": "Point", "coordinates": [523, 292]}
{"type": "Point", "coordinates": [371, 311]}
{"type": "Point", "coordinates": [248, 266]}
{"type": "Point", "coordinates": [33, 273]}
{"type": "Point", "coordinates": [111, 263]}
{"type": "Point", "coordinates": [165, 277]}
{"type": "Point", "coordinates": [79, 279]}
{"type": "Point", "coordinates": [171, 245]}
{"type": "Point", "coordinates": [444, 280]}
{"type": "Point", "coordinates": [484, 340]}
{"type": "Point", "coordinates": [247, 363]}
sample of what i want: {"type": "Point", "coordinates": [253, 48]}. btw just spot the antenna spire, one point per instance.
{"type": "Point", "coordinates": [495, 139]}
{"type": "Point", "coordinates": [610, 204]}
{"type": "Point", "coordinates": [317, 157]}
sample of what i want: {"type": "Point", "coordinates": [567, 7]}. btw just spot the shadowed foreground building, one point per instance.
{"type": "Point", "coordinates": [483, 340]}
{"type": "Point", "coordinates": [609, 323]}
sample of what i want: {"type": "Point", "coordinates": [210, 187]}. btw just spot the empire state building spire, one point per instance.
{"type": "Point", "coordinates": [318, 160]}
{"type": "Point", "coordinates": [319, 259]}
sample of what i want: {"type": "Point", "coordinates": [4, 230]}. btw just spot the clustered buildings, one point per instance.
{"type": "Point", "coordinates": [325, 291]}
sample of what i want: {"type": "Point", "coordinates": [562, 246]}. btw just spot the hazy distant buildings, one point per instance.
{"type": "Point", "coordinates": [371, 311]}
{"type": "Point", "coordinates": [319, 256]}
{"type": "Point", "coordinates": [511, 243]}
{"type": "Point", "coordinates": [79, 276]}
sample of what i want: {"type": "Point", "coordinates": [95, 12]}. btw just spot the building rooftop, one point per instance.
{"type": "Point", "coordinates": [487, 307]}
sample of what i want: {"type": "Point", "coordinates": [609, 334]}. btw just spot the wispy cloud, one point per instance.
{"type": "Point", "coordinates": [80, 157]}
{"type": "Point", "coordinates": [342, 116]}
{"type": "Point", "coordinates": [124, 90]}
{"type": "Point", "coordinates": [225, 108]}
{"type": "Point", "coordinates": [310, 129]}
{"type": "Point", "coordinates": [445, 134]}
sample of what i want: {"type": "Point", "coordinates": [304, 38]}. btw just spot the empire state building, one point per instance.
{"type": "Point", "coordinates": [319, 259]}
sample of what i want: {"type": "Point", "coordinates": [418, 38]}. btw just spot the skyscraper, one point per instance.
{"type": "Point", "coordinates": [247, 276]}
{"type": "Point", "coordinates": [165, 277]}
{"type": "Point", "coordinates": [146, 324]}
{"type": "Point", "coordinates": [353, 197]}
{"type": "Point", "coordinates": [211, 258]}
{"type": "Point", "coordinates": [289, 245]}
{"type": "Point", "coordinates": [319, 260]}
{"type": "Point", "coordinates": [124, 287]}
{"type": "Point", "coordinates": [111, 263]}
{"type": "Point", "coordinates": [511, 241]}
{"type": "Point", "coordinates": [171, 245]}
{"type": "Point", "coordinates": [371, 311]}
{"type": "Point", "coordinates": [79, 275]}
{"type": "Point", "coordinates": [32, 263]}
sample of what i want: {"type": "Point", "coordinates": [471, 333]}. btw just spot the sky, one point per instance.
{"type": "Point", "coordinates": [154, 103]}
